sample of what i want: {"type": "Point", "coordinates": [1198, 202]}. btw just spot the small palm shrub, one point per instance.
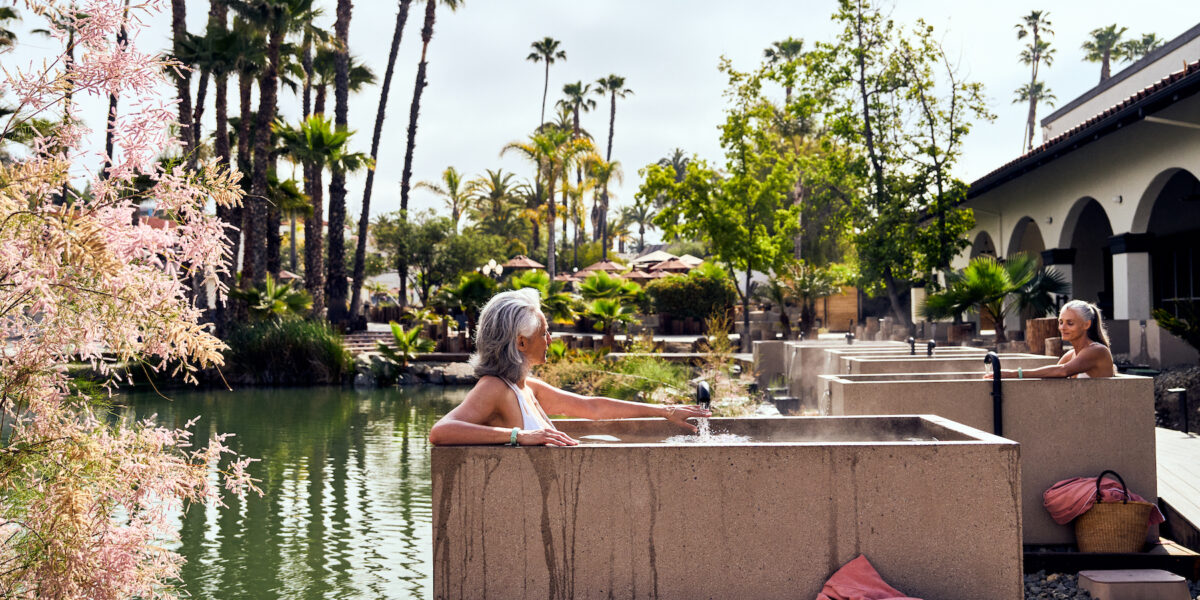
{"type": "Point", "coordinates": [274, 300]}
{"type": "Point", "coordinates": [406, 344]}
{"type": "Point", "coordinates": [287, 352]}
{"type": "Point", "coordinates": [1185, 324]}
{"type": "Point", "coordinates": [558, 305]}
{"type": "Point", "coordinates": [607, 313]}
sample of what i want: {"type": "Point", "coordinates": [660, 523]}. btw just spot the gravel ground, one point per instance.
{"type": "Point", "coordinates": [1166, 406]}
{"type": "Point", "coordinates": [1060, 586]}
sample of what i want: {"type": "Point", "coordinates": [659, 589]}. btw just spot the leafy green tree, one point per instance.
{"type": "Point", "coordinates": [1104, 43]}
{"type": "Point", "coordinates": [413, 244]}
{"type": "Point", "coordinates": [1134, 50]}
{"type": "Point", "coordinates": [742, 211]}
{"type": "Point", "coordinates": [1036, 25]}
{"type": "Point", "coordinates": [901, 106]}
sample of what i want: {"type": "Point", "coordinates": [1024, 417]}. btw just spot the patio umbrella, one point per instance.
{"type": "Point", "coordinates": [521, 261]}
{"type": "Point", "coordinates": [690, 260]}
{"type": "Point", "coordinates": [672, 266]}
{"type": "Point", "coordinates": [639, 275]}
{"type": "Point", "coordinates": [653, 258]}
{"type": "Point", "coordinates": [607, 266]}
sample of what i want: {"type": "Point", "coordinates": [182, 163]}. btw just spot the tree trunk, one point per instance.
{"type": "Point", "coordinates": [335, 286]}
{"type": "Point", "coordinates": [198, 113]}
{"type": "Point", "coordinates": [274, 236]}
{"type": "Point", "coordinates": [183, 81]}
{"type": "Point", "coordinates": [292, 245]}
{"type": "Point", "coordinates": [110, 125]}
{"type": "Point", "coordinates": [255, 266]}
{"type": "Point", "coordinates": [314, 245]}
{"type": "Point", "coordinates": [231, 216]}
{"type": "Point", "coordinates": [360, 252]}
{"type": "Point", "coordinates": [551, 263]}
{"type": "Point", "coordinates": [414, 110]}
{"type": "Point", "coordinates": [744, 338]}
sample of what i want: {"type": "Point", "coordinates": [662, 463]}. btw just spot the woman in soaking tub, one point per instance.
{"type": "Point", "coordinates": [510, 406]}
{"type": "Point", "coordinates": [1080, 325]}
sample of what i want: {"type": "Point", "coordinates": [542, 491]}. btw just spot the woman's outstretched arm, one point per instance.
{"type": "Point", "coordinates": [1070, 364]}
{"type": "Point", "coordinates": [561, 402]}
{"type": "Point", "coordinates": [467, 423]}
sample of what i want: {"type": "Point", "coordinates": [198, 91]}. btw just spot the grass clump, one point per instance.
{"type": "Point", "coordinates": [287, 352]}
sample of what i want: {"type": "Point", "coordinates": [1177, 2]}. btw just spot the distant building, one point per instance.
{"type": "Point", "coordinates": [1111, 199]}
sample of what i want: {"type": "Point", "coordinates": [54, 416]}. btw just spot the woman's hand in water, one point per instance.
{"type": "Point", "coordinates": [545, 437]}
{"type": "Point", "coordinates": [680, 413]}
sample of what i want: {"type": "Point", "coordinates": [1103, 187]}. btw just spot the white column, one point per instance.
{"type": "Point", "coordinates": [1131, 285]}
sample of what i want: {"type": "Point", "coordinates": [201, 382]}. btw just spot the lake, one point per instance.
{"type": "Point", "coordinates": [345, 475]}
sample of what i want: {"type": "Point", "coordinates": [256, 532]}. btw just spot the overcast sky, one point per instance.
{"type": "Point", "coordinates": [483, 94]}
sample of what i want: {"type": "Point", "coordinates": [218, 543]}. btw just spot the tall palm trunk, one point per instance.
{"type": "Point", "coordinates": [360, 251]}
{"type": "Point", "coordinates": [414, 110]}
{"type": "Point", "coordinates": [551, 263]}
{"type": "Point", "coordinates": [183, 80]}
{"type": "Point", "coordinates": [254, 270]}
{"type": "Point", "coordinates": [612, 121]}
{"type": "Point", "coordinates": [245, 239]}
{"type": "Point", "coordinates": [335, 286]}
{"type": "Point", "coordinates": [314, 244]}
{"type": "Point", "coordinates": [230, 216]}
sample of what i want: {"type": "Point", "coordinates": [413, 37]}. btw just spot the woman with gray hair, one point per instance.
{"type": "Point", "coordinates": [510, 406]}
{"type": "Point", "coordinates": [1079, 324]}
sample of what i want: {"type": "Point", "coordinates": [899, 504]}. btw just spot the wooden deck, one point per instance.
{"type": "Point", "coordinates": [1179, 477]}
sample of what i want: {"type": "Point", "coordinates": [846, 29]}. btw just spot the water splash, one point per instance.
{"type": "Point", "coordinates": [706, 436]}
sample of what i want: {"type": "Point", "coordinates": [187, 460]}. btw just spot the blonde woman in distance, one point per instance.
{"type": "Point", "coordinates": [1081, 326]}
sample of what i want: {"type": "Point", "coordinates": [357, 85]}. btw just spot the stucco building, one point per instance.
{"type": "Point", "coordinates": [1111, 199]}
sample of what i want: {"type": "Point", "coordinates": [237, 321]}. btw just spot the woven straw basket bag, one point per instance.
{"type": "Point", "coordinates": [1113, 526]}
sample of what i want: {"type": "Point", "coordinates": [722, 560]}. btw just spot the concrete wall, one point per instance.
{"type": "Point", "coordinates": [855, 365]}
{"type": "Point", "coordinates": [803, 361]}
{"type": "Point", "coordinates": [940, 520]}
{"type": "Point", "coordinates": [1066, 427]}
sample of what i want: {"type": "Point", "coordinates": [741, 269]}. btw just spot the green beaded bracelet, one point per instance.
{"type": "Point", "coordinates": [512, 439]}
{"type": "Point", "coordinates": [1020, 373]}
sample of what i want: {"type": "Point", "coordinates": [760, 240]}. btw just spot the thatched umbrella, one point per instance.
{"type": "Point", "coordinates": [671, 266]}
{"type": "Point", "coordinates": [521, 261]}
{"type": "Point", "coordinates": [639, 276]}
{"type": "Point", "coordinates": [605, 265]}
{"type": "Point", "coordinates": [652, 259]}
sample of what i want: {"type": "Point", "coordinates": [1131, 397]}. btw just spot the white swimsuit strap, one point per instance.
{"type": "Point", "coordinates": [529, 421]}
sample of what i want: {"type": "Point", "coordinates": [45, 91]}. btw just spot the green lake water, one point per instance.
{"type": "Point", "coordinates": [346, 505]}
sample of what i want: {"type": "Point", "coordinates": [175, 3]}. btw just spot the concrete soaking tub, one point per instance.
{"type": "Point", "coordinates": [947, 363]}
{"type": "Point", "coordinates": [930, 502]}
{"type": "Point", "coordinates": [804, 382]}
{"type": "Point", "coordinates": [1066, 427]}
{"type": "Point", "coordinates": [803, 361]}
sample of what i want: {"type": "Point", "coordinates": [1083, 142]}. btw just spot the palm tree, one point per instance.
{"type": "Point", "coordinates": [276, 17]}
{"type": "Point", "coordinates": [557, 304]}
{"type": "Point", "coordinates": [642, 213]}
{"type": "Point", "coordinates": [607, 313]}
{"type": "Point", "coordinates": [995, 289]}
{"type": "Point", "coordinates": [546, 50]}
{"type": "Point", "coordinates": [360, 250]}
{"type": "Point", "coordinates": [554, 152]}
{"type": "Point", "coordinates": [785, 51]}
{"type": "Point", "coordinates": [453, 190]}
{"type": "Point", "coordinates": [292, 203]}
{"type": "Point", "coordinates": [274, 301]}
{"type": "Point", "coordinates": [1033, 93]}
{"type": "Point", "coordinates": [1134, 50]}
{"type": "Point", "coordinates": [1101, 47]}
{"type": "Point", "coordinates": [575, 98]}
{"type": "Point", "coordinates": [612, 86]}
{"type": "Point", "coordinates": [336, 288]}
{"type": "Point", "coordinates": [621, 231]}
{"type": "Point", "coordinates": [183, 79]}
{"type": "Point", "coordinates": [315, 141]}
{"type": "Point", "coordinates": [1037, 51]}
{"type": "Point", "coordinates": [602, 172]}
{"type": "Point", "coordinates": [414, 109]}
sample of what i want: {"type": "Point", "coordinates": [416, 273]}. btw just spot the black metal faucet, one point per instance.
{"type": "Point", "coordinates": [912, 346]}
{"type": "Point", "coordinates": [849, 337]}
{"type": "Point", "coordinates": [703, 395]}
{"type": "Point", "coordinates": [929, 347]}
{"type": "Point", "coordinates": [997, 395]}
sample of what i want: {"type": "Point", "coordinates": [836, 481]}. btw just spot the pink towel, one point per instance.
{"type": "Point", "coordinates": [1070, 498]}
{"type": "Point", "coordinates": [858, 580]}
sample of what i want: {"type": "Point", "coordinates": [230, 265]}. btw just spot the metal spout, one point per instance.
{"type": "Point", "coordinates": [997, 395]}
{"type": "Point", "coordinates": [703, 395]}
{"type": "Point", "coordinates": [929, 347]}
{"type": "Point", "coordinates": [912, 346]}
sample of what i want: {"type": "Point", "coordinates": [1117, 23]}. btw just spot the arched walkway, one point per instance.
{"type": "Point", "coordinates": [1026, 238]}
{"type": "Point", "coordinates": [983, 245]}
{"type": "Point", "coordinates": [1087, 232]}
{"type": "Point", "coordinates": [1172, 226]}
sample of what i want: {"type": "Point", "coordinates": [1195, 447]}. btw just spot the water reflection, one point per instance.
{"type": "Point", "coordinates": [346, 511]}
